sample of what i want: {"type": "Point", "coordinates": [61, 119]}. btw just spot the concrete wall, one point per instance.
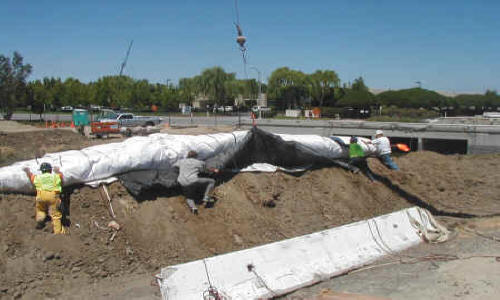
{"type": "Point", "coordinates": [479, 138]}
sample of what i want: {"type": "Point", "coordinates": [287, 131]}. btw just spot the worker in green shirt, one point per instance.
{"type": "Point", "coordinates": [357, 158]}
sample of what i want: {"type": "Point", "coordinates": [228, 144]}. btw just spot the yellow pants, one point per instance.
{"type": "Point", "coordinates": [48, 202]}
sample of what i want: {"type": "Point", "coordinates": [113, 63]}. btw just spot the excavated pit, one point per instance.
{"type": "Point", "coordinates": [162, 231]}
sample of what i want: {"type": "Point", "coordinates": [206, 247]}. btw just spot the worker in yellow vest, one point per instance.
{"type": "Point", "coordinates": [48, 188]}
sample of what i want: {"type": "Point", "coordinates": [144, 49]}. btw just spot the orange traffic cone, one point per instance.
{"type": "Point", "coordinates": [72, 124]}
{"type": "Point", "coordinates": [46, 124]}
{"type": "Point", "coordinates": [62, 125]}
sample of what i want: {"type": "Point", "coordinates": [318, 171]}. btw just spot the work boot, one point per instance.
{"type": "Point", "coordinates": [194, 210]}
{"type": "Point", "coordinates": [40, 225]}
{"type": "Point", "coordinates": [209, 202]}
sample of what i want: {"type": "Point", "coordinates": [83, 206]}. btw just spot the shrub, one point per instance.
{"type": "Point", "coordinates": [330, 112]}
{"type": "Point", "coordinates": [393, 114]}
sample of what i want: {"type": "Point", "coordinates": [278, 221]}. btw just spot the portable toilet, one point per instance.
{"type": "Point", "coordinates": [81, 117]}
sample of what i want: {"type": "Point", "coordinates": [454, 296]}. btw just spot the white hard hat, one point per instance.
{"type": "Point", "coordinates": [379, 132]}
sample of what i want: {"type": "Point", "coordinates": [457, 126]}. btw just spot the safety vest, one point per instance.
{"type": "Point", "coordinates": [48, 182]}
{"type": "Point", "coordinates": [355, 150]}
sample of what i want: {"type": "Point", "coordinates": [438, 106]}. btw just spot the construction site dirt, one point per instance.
{"type": "Point", "coordinates": [95, 261]}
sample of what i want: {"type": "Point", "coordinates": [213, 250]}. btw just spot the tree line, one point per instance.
{"type": "Point", "coordinates": [293, 88]}
{"type": "Point", "coordinates": [214, 85]}
{"type": "Point", "coordinates": [286, 88]}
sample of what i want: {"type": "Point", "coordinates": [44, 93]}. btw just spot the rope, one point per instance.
{"type": "Point", "coordinates": [481, 234]}
{"type": "Point", "coordinates": [211, 293]}
{"type": "Point", "coordinates": [414, 259]}
{"type": "Point", "coordinates": [382, 245]}
{"type": "Point", "coordinates": [251, 268]}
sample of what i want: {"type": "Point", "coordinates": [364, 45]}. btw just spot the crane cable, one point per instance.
{"type": "Point", "coordinates": [240, 39]}
{"type": "Point", "coordinates": [237, 12]}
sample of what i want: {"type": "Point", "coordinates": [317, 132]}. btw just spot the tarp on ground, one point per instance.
{"type": "Point", "coordinates": [143, 162]}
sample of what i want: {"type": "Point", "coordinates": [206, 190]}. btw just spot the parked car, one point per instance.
{"type": "Point", "coordinates": [260, 108]}
{"type": "Point", "coordinates": [67, 108]}
{"type": "Point", "coordinates": [225, 108]}
{"type": "Point", "coordinates": [128, 119]}
{"type": "Point", "coordinates": [95, 107]}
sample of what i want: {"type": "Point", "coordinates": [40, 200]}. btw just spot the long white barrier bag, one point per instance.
{"type": "Point", "coordinates": [281, 267]}
{"type": "Point", "coordinates": [159, 152]}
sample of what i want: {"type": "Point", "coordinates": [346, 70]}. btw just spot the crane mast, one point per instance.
{"type": "Point", "coordinates": [124, 63]}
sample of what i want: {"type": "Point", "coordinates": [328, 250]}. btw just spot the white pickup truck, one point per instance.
{"type": "Point", "coordinates": [128, 119]}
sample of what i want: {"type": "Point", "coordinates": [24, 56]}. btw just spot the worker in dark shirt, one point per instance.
{"type": "Point", "coordinates": [189, 170]}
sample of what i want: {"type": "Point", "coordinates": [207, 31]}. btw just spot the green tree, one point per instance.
{"type": "Point", "coordinates": [141, 95]}
{"type": "Point", "coordinates": [288, 87]}
{"type": "Point", "coordinates": [13, 74]}
{"type": "Point", "coordinates": [213, 84]}
{"type": "Point", "coordinates": [166, 97]}
{"type": "Point", "coordinates": [55, 88]}
{"type": "Point", "coordinates": [491, 99]}
{"type": "Point", "coordinates": [412, 98]}
{"type": "Point", "coordinates": [39, 97]}
{"type": "Point", "coordinates": [246, 88]}
{"type": "Point", "coordinates": [323, 86]}
{"type": "Point", "coordinates": [359, 85]}
{"type": "Point", "coordinates": [114, 91]}
{"type": "Point", "coordinates": [356, 99]}
{"type": "Point", "coordinates": [189, 89]}
{"type": "Point", "coordinates": [75, 93]}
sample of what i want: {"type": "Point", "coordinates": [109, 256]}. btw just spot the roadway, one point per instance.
{"type": "Point", "coordinates": [476, 138]}
{"type": "Point", "coordinates": [174, 120]}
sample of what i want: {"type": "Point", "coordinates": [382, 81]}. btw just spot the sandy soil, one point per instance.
{"type": "Point", "coordinates": [87, 265]}
{"type": "Point", "coordinates": [13, 126]}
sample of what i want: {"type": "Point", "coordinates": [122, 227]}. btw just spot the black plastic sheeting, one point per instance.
{"type": "Point", "coordinates": [260, 147]}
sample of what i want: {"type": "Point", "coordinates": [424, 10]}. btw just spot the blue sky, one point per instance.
{"type": "Point", "coordinates": [447, 45]}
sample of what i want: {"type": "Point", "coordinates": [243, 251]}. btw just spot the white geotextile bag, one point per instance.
{"type": "Point", "coordinates": [156, 151]}
{"type": "Point", "coordinates": [326, 147]}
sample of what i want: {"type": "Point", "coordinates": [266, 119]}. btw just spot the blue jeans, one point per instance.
{"type": "Point", "coordinates": [362, 164]}
{"type": "Point", "coordinates": [388, 162]}
{"type": "Point", "coordinates": [191, 190]}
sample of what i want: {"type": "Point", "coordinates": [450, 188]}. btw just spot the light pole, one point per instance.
{"type": "Point", "coordinates": [259, 79]}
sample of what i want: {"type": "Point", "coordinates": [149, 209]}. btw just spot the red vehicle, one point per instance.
{"type": "Point", "coordinates": [101, 129]}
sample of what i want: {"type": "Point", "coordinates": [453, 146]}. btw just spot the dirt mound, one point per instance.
{"type": "Point", "coordinates": [456, 184]}
{"type": "Point", "coordinates": [162, 231]}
